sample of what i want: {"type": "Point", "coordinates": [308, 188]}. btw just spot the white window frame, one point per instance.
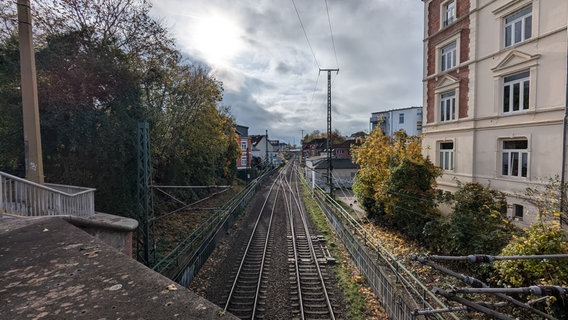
{"type": "Point", "coordinates": [517, 26]}
{"type": "Point", "coordinates": [448, 56]}
{"type": "Point", "coordinates": [244, 145]}
{"type": "Point", "coordinates": [455, 38]}
{"type": "Point", "coordinates": [515, 87]}
{"type": "Point", "coordinates": [449, 13]}
{"type": "Point", "coordinates": [447, 106]}
{"type": "Point", "coordinates": [514, 158]}
{"type": "Point", "coordinates": [446, 155]}
{"type": "Point", "coordinates": [244, 161]}
{"type": "Point", "coordinates": [401, 118]}
{"type": "Point", "coordinates": [446, 84]}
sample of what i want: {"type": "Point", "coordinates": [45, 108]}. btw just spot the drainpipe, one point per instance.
{"type": "Point", "coordinates": [564, 123]}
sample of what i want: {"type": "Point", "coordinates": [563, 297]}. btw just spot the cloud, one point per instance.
{"type": "Point", "coordinates": [270, 81]}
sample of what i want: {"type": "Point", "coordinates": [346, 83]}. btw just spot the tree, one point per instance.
{"type": "Point", "coordinates": [395, 182]}
{"type": "Point", "coordinates": [336, 137]}
{"type": "Point", "coordinates": [103, 66]}
{"type": "Point", "coordinates": [90, 106]}
{"type": "Point", "coordinates": [11, 125]}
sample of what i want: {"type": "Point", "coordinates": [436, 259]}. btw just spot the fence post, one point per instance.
{"type": "Point", "coordinates": [2, 209]}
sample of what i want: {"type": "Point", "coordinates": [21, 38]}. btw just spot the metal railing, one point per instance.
{"type": "Point", "coordinates": [183, 262]}
{"type": "Point", "coordinates": [400, 292]}
{"type": "Point", "coordinates": [25, 198]}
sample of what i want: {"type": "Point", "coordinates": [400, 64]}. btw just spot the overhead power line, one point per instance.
{"type": "Point", "coordinates": [305, 34]}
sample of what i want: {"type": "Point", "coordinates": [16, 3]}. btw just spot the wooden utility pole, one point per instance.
{"type": "Point", "coordinates": [32, 135]}
{"type": "Point", "coordinates": [329, 142]}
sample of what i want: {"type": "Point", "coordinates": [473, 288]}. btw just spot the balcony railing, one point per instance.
{"type": "Point", "coordinates": [25, 198]}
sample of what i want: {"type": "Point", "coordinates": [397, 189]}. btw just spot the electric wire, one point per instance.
{"type": "Point", "coordinates": [305, 34]}
{"type": "Point", "coordinates": [315, 89]}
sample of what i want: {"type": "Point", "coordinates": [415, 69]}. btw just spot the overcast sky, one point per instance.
{"type": "Point", "coordinates": [258, 49]}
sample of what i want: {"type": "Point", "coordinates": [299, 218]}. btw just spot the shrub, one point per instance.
{"type": "Point", "coordinates": [539, 239]}
{"type": "Point", "coordinates": [478, 223]}
{"type": "Point", "coordinates": [411, 196]}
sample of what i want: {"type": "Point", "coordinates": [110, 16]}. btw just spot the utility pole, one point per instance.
{"type": "Point", "coordinates": [32, 134]}
{"type": "Point", "coordinates": [266, 147]}
{"type": "Point", "coordinates": [329, 142]}
{"type": "Point", "coordinates": [302, 148]}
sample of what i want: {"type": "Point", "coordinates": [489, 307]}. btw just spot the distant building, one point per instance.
{"type": "Point", "coordinates": [244, 161]}
{"type": "Point", "coordinates": [262, 147]}
{"type": "Point", "coordinates": [391, 121]}
{"type": "Point", "coordinates": [314, 147]}
{"type": "Point", "coordinates": [343, 173]}
{"type": "Point", "coordinates": [318, 147]}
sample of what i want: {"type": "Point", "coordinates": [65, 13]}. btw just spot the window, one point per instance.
{"type": "Point", "coordinates": [449, 13]}
{"type": "Point", "coordinates": [448, 56]}
{"type": "Point", "coordinates": [244, 145]}
{"type": "Point", "coordinates": [401, 118]}
{"type": "Point", "coordinates": [518, 211]}
{"type": "Point", "coordinates": [518, 26]}
{"type": "Point", "coordinates": [244, 161]}
{"type": "Point", "coordinates": [448, 106]}
{"type": "Point", "coordinates": [447, 155]}
{"type": "Point", "coordinates": [515, 158]}
{"type": "Point", "coordinates": [516, 90]}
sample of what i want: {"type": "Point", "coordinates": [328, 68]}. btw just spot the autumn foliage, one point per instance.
{"type": "Point", "coordinates": [395, 181]}
{"type": "Point", "coordinates": [103, 67]}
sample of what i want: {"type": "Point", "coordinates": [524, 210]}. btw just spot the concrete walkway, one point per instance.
{"type": "Point", "coordinates": [53, 270]}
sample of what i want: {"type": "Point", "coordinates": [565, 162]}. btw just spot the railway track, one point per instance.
{"type": "Point", "coordinates": [308, 258]}
{"type": "Point", "coordinates": [282, 213]}
{"type": "Point", "coordinates": [247, 296]}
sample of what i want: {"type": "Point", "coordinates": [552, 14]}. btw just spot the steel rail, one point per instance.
{"type": "Point", "coordinates": [392, 262]}
{"type": "Point", "coordinates": [263, 257]}
{"type": "Point", "coordinates": [234, 285]}
{"type": "Point", "coordinates": [302, 213]}
{"type": "Point", "coordinates": [297, 267]}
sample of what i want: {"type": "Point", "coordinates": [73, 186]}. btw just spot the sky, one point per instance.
{"type": "Point", "coordinates": [271, 72]}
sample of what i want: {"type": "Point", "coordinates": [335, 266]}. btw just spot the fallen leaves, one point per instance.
{"type": "Point", "coordinates": [172, 287]}
{"type": "Point", "coordinates": [115, 287]}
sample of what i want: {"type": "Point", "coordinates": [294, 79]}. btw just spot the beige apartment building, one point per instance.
{"type": "Point", "coordinates": [495, 93]}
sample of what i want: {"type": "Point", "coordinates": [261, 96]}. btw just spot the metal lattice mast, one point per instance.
{"type": "Point", "coordinates": [329, 142]}
{"type": "Point", "coordinates": [145, 240]}
{"type": "Point", "coordinates": [266, 146]}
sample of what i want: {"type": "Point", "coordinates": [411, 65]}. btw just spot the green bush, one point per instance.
{"type": "Point", "coordinates": [412, 203]}
{"type": "Point", "coordinates": [478, 224]}
{"type": "Point", "coordinates": [539, 239]}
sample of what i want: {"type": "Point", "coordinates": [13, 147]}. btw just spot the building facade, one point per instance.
{"type": "Point", "coordinates": [244, 161]}
{"type": "Point", "coordinates": [495, 94]}
{"type": "Point", "coordinates": [266, 149]}
{"type": "Point", "coordinates": [391, 121]}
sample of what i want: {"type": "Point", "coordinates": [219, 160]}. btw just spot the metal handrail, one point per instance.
{"type": "Point", "coordinates": [26, 198]}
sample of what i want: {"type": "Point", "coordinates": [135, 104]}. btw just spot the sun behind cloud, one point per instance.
{"type": "Point", "coordinates": [216, 38]}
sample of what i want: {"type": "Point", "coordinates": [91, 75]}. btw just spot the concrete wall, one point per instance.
{"type": "Point", "coordinates": [114, 230]}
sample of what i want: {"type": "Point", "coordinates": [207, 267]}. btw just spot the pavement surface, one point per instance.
{"type": "Point", "coordinates": [51, 269]}
{"type": "Point", "coordinates": [348, 197]}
